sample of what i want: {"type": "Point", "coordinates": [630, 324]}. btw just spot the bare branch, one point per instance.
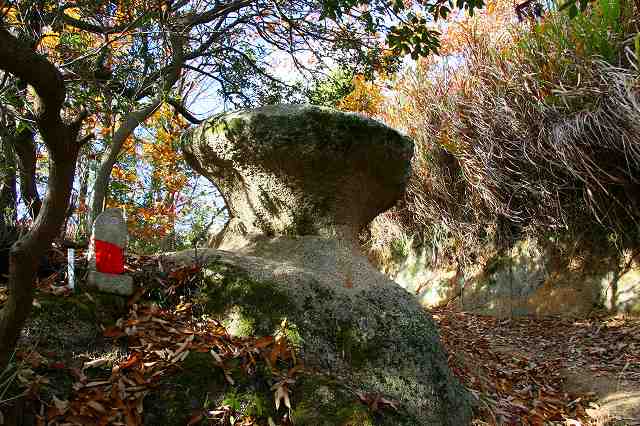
{"type": "Point", "coordinates": [180, 108]}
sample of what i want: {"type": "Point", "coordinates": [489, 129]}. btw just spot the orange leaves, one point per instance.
{"type": "Point", "coordinates": [133, 359]}
{"type": "Point", "coordinates": [151, 222]}
{"type": "Point", "coordinates": [123, 175]}
{"type": "Point", "coordinates": [160, 179]}
{"type": "Point", "coordinates": [129, 145]}
{"type": "Point", "coordinates": [366, 97]}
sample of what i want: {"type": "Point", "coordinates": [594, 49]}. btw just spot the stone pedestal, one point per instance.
{"type": "Point", "coordinates": [300, 182]}
{"type": "Point", "coordinates": [111, 283]}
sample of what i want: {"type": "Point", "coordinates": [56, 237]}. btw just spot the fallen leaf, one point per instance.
{"type": "Point", "coordinates": [132, 360]}
{"type": "Point", "coordinates": [95, 363]}
{"type": "Point", "coordinates": [61, 406]}
{"type": "Point", "coordinates": [97, 406]}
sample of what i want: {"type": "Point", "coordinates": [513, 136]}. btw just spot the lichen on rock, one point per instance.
{"type": "Point", "coordinates": [299, 170]}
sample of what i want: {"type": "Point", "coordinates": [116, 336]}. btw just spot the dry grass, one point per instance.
{"type": "Point", "coordinates": [539, 134]}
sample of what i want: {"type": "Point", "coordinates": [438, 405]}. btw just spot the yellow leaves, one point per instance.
{"type": "Point", "coordinates": [365, 97]}
{"type": "Point", "coordinates": [10, 13]}
{"type": "Point", "coordinates": [124, 11]}
{"type": "Point", "coordinates": [447, 141]}
{"type": "Point", "coordinates": [50, 39]}
{"type": "Point", "coordinates": [127, 10]}
{"type": "Point", "coordinates": [163, 113]}
{"type": "Point", "coordinates": [73, 12]}
{"type": "Point", "coordinates": [123, 175]}
{"type": "Point", "coordinates": [491, 7]}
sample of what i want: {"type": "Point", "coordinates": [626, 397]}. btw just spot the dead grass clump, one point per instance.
{"type": "Point", "coordinates": [538, 134]}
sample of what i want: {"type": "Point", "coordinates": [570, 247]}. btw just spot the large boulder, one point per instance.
{"type": "Point", "coordinates": [299, 170]}
{"type": "Point", "coordinates": [300, 183]}
{"type": "Point", "coordinates": [368, 333]}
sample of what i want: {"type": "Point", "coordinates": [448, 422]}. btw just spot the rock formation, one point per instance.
{"type": "Point", "coordinates": [293, 170]}
{"type": "Point", "coordinates": [300, 182]}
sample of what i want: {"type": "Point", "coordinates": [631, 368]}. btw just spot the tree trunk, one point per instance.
{"type": "Point", "coordinates": [26, 252]}
{"type": "Point", "coordinates": [25, 149]}
{"type": "Point", "coordinates": [103, 175]}
{"type": "Point", "coordinates": [61, 141]}
{"type": "Point", "coordinates": [8, 193]}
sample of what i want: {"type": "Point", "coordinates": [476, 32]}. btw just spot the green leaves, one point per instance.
{"type": "Point", "coordinates": [573, 7]}
{"type": "Point", "coordinates": [414, 38]}
{"type": "Point", "coordinates": [411, 36]}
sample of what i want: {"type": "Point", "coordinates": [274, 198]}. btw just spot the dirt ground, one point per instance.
{"type": "Point", "coordinates": [550, 370]}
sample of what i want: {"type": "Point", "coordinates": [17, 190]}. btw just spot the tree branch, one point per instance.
{"type": "Point", "coordinates": [180, 108]}
{"type": "Point", "coordinates": [99, 29]}
{"type": "Point", "coordinates": [36, 71]}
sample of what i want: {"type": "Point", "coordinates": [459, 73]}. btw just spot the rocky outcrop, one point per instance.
{"type": "Point", "coordinates": [530, 278]}
{"type": "Point", "coordinates": [300, 182]}
{"type": "Point", "coordinates": [299, 170]}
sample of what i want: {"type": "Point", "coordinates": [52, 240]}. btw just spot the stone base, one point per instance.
{"type": "Point", "coordinates": [111, 283]}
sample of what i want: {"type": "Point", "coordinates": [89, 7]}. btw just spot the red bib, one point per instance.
{"type": "Point", "coordinates": [109, 258]}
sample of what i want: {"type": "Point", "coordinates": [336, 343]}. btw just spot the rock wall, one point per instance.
{"type": "Point", "coordinates": [527, 280]}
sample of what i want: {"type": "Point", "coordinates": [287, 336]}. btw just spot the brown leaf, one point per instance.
{"type": "Point", "coordinates": [132, 360]}
{"type": "Point", "coordinates": [113, 332]}
{"type": "Point", "coordinates": [97, 406]}
{"type": "Point", "coordinates": [263, 342]}
{"type": "Point", "coordinates": [195, 419]}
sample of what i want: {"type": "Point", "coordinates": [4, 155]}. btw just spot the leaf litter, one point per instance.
{"type": "Point", "coordinates": [159, 340]}
{"type": "Point", "coordinates": [519, 369]}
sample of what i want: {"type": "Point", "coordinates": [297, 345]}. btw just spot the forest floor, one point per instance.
{"type": "Point", "coordinates": [520, 371]}
{"type": "Point", "coordinates": [547, 370]}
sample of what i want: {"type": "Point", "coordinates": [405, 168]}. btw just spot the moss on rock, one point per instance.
{"type": "Point", "coordinates": [299, 169]}
{"type": "Point", "coordinates": [72, 321]}
{"type": "Point", "coordinates": [199, 385]}
{"type": "Point", "coordinates": [247, 307]}
{"type": "Point", "coordinates": [192, 387]}
{"type": "Point", "coordinates": [376, 338]}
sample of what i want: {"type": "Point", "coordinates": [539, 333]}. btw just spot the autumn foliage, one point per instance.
{"type": "Point", "coordinates": [151, 179]}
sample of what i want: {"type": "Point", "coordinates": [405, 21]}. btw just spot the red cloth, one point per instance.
{"type": "Point", "coordinates": [109, 258]}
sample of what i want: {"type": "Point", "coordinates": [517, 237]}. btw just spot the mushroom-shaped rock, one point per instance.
{"type": "Point", "coordinates": [299, 169]}
{"type": "Point", "coordinates": [300, 182]}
